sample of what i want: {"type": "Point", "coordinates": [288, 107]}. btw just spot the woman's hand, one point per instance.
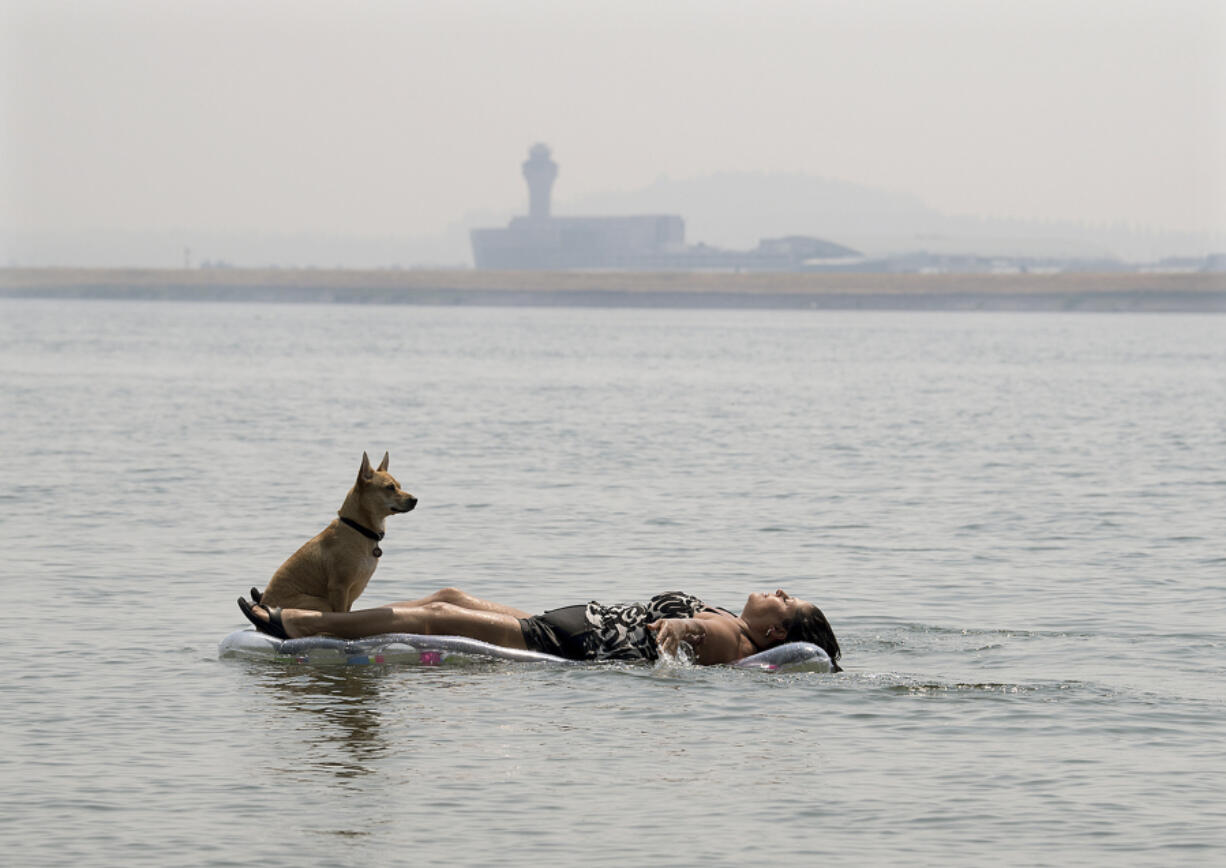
{"type": "Point", "coordinates": [671, 632]}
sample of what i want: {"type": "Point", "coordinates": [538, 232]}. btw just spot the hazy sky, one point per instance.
{"type": "Point", "coordinates": [398, 117]}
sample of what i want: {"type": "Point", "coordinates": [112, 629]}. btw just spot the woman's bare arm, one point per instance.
{"type": "Point", "coordinates": [714, 638]}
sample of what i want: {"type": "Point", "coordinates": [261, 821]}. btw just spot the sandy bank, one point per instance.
{"type": "Point", "coordinates": [1110, 291]}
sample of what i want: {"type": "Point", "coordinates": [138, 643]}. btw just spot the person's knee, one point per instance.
{"type": "Point", "coordinates": [448, 595]}
{"type": "Point", "coordinates": [439, 617]}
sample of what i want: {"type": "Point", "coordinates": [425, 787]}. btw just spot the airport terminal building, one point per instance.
{"type": "Point", "coordinates": [580, 242]}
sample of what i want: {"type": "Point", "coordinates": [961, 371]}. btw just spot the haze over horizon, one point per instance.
{"type": "Point", "coordinates": [402, 123]}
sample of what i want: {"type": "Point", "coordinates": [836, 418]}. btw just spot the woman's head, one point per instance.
{"type": "Point", "coordinates": [776, 618]}
{"type": "Point", "coordinates": [810, 625]}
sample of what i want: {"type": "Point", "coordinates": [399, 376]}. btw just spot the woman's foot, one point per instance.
{"type": "Point", "coordinates": [256, 595]}
{"type": "Point", "coordinates": [267, 619]}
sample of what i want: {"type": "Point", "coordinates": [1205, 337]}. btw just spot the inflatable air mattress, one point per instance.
{"type": "Point", "coordinates": [416, 650]}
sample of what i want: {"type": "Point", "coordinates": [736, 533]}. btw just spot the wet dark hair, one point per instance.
{"type": "Point", "coordinates": [810, 625]}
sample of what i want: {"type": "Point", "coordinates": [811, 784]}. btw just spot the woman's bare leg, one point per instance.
{"type": "Point", "coordinates": [432, 619]}
{"type": "Point", "coordinates": [464, 600]}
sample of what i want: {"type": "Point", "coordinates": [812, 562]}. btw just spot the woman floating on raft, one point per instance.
{"type": "Point", "coordinates": [592, 632]}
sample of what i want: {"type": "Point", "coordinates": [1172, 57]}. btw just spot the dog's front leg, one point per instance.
{"type": "Point", "coordinates": [338, 596]}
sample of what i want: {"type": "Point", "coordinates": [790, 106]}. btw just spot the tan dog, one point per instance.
{"type": "Point", "coordinates": [329, 572]}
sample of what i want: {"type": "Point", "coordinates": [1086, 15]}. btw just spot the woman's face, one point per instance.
{"type": "Point", "coordinates": [767, 609]}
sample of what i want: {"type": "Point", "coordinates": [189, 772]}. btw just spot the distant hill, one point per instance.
{"type": "Point", "coordinates": [736, 209]}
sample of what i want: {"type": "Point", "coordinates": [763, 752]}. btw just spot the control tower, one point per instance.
{"type": "Point", "coordinates": [539, 172]}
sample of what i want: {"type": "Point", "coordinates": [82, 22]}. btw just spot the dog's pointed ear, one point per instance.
{"type": "Point", "coordinates": [365, 474]}
{"type": "Point", "coordinates": [383, 464]}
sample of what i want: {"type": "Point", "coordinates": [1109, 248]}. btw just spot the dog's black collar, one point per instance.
{"type": "Point", "coordinates": [366, 532]}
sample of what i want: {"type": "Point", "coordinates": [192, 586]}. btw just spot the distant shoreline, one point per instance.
{"type": "Point", "coordinates": [1115, 291]}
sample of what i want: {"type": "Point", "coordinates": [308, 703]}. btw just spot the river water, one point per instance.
{"type": "Point", "coordinates": [1013, 521]}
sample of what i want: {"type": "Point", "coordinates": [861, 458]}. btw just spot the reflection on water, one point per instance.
{"type": "Point", "coordinates": [336, 712]}
{"type": "Point", "coordinates": [346, 719]}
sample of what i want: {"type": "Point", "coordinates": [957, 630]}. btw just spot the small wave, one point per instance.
{"type": "Point", "coordinates": [899, 684]}
{"type": "Point", "coordinates": [922, 688]}
{"type": "Point", "coordinates": [945, 630]}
